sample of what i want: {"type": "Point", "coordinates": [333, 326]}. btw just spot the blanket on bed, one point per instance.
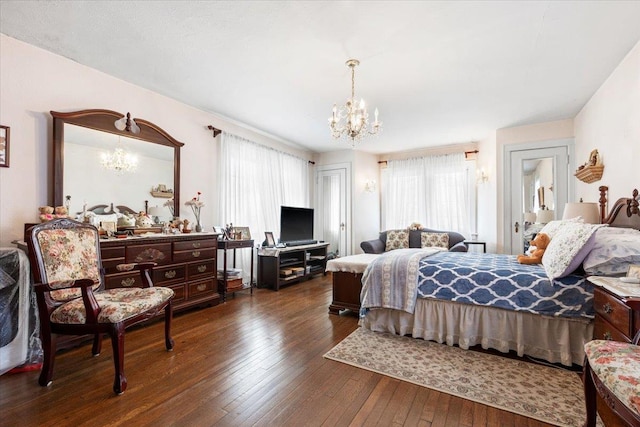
{"type": "Point", "coordinates": [500, 281]}
{"type": "Point", "coordinates": [381, 278]}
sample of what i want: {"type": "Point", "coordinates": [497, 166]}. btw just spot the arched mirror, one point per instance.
{"type": "Point", "coordinates": [102, 157]}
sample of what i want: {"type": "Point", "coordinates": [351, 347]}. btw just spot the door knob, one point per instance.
{"type": "Point", "coordinates": [342, 226]}
{"type": "Point", "coordinates": [516, 225]}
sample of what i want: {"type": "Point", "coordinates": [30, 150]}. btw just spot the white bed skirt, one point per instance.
{"type": "Point", "coordinates": [555, 339]}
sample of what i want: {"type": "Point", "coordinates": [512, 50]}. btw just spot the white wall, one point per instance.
{"type": "Point", "coordinates": [34, 81]}
{"type": "Point", "coordinates": [366, 205]}
{"type": "Point", "coordinates": [610, 122]}
{"type": "Point", "coordinates": [487, 193]}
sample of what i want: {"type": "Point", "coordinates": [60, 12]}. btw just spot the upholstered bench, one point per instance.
{"type": "Point", "coordinates": [347, 281]}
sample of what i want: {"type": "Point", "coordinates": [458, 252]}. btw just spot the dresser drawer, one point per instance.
{"type": "Point", "coordinates": [194, 255]}
{"type": "Point", "coordinates": [195, 244]}
{"type": "Point", "coordinates": [124, 280]}
{"type": "Point", "coordinates": [614, 311]}
{"type": "Point", "coordinates": [159, 253]}
{"type": "Point", "coordinates": [179, 292]}
{"type": "Point", "coordinates": [201, 287]}
{"type": "Point", "coordinates": [200, 269]}
{"type": "Point", "coordinates": [112, 252]}
{"type": "Point", "coordinates": [170, 274]}
{"type": "Point", "coordinates": [603, 330]}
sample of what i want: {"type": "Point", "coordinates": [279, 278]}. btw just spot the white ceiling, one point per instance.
{"type": "Point", "coordinates": [439, 72]}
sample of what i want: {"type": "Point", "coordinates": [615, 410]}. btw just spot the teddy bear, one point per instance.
{"type": "Point", "coordinates": [541, 241]}
{"type": "Point", "coordinates": [61, 212]}
{"type": "Point", "coordinates": [46, 213]}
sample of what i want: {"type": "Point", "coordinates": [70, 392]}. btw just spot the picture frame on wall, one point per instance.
{"type": "Point", "coordinates": [4, 146]}
{"type": "Point", "coordinates": [269, 239]}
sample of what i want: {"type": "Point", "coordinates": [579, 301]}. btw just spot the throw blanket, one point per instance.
{"type": "Point", "coordinates": [391, 280]}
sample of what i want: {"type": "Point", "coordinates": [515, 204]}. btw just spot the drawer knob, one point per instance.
{"type": "Point", "coordinates": [607, 308]}
{"type": "Point", "coordinates": [129, 281]}
{"type": "Point", "coordinates": [607, 335]}
{"type": "Point", "coordinates": [202, 268]}
{"type": "Point", "coordinates": [170, 274]}
{"type": "Point", "coordinates": [195, 254]}
{"type": "Point", "coordinates": [196, 244]}
{"type": "Point", "coordinates": [202, 287]}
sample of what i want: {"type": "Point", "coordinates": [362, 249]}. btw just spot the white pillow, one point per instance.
{"type": "Point", "coordinates": [565, 251]}
{"type": "Point", "coordinates": [552, 227]}
{"type": "Point", "coordinates": [614, 249]}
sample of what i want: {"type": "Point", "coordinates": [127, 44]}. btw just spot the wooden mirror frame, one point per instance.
{"type": "Point", "coordinates": [103, 120]}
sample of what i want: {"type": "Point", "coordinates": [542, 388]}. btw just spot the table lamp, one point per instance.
{"type": "Point", "coordinates": [545, 216]}
{"type": "Point", "coordinates": [588, 212]}
{"type": "Point", "coordinates": [155, 212]}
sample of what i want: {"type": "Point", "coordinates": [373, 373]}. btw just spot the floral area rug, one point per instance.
{"type": "Point", "coordinates": [547, 394]}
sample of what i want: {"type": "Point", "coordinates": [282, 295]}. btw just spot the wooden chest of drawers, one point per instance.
{"type": "Point", "coordinates": [186, 264]}
{"type": "Point", "coordinates": [614, 319]}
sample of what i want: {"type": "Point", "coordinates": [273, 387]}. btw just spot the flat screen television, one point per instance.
{"type": "Point", "coordinates": [296, 224]}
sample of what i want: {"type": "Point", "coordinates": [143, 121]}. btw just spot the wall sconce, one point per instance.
{"type": "Point", "coordinates": [370, 186]}
{"type": "Point", "coordinates": [481, 177]}
{"type": "Point", "coordinates": [127, 124]}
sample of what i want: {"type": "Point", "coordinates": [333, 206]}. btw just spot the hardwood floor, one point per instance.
{"type": "Point", "coordinates": [255, 360]}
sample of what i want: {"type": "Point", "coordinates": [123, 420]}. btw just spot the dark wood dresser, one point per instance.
{"type": "Point", "coordinates": [186, 264]}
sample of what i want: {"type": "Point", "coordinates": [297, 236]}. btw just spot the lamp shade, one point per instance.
{"type": "Point", "coordinates": [588, 212]}
{"type": "Point", "coordinates": [530, 217]}
{"type": "Point", "coordinates": [155, 211]}
{"type": "Point", "coordinates": [545, 216]}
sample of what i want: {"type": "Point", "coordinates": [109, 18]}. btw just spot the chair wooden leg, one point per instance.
{"type": "Point", "coordinates": [117, 342]}
{"type": "Point", "coordinates": [589, 395]}
{"type": "Point", "coordinates": [97, 345]}
{"type": "Point", "coordinates": [168, 315]}
{"type": "Point", "coordinates": [49, 356]}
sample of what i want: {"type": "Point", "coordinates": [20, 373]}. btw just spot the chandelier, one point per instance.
{"type": "Point", "coordinates": [119, 161]}
{"type": "Point", "coordinates": [352, 120]}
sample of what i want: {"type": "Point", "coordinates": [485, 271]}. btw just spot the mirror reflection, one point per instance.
{"type": "Point", "coordinates": [538, 202]}
{"type": "Point", "coordinates": [89, 180]}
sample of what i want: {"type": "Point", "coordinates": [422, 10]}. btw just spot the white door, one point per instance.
{"type": "Point", "coordinates": [333, 207]}
{"type": "Point", "coordinates": [536, 180]}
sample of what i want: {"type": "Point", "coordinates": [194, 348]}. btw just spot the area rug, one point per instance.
{"type": "Point", "coordinates": [547, 394]}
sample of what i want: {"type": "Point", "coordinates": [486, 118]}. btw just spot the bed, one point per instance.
{"type": "Point", "coordinates": [491, 300]}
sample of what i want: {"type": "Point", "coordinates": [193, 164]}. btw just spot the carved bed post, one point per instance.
{"type": "Point", "coordinates": [603, 202]}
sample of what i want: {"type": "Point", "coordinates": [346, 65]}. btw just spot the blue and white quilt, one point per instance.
{"type": "Point", "coordinates": [397, 278]}
{"type": "Point", "coordinates": [501, 281]}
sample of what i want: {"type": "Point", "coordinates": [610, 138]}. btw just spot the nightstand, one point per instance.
{"type": "Point", "coordinates": [614, 319]}
{"type": "Point", "coordinates": [467, 243]}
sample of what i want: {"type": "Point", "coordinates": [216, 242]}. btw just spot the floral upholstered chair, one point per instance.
{"type": "Point", "coordinates": [612, 370]}
{"type": "Point", "coordinates": [67, 269]}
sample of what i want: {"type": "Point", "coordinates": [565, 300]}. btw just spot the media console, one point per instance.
{"type": "Point", "coordinates": [283, 266]}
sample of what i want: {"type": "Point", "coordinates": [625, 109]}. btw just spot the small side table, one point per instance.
{"type": "Point", "coordinates": [467, 243]}
{"type": "Point", "coordinates": [224, 283]}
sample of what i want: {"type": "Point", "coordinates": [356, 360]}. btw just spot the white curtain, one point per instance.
{"type": "Point", "coordinates": [254, 182]}
{"type": "Point", "coordinates": [432, 191]}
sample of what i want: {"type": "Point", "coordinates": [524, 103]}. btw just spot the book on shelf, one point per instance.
{"type": "Point", "coordinates": [615, 285]}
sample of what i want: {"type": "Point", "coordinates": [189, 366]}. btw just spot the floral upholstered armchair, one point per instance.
{"type": "Point", "coordinates": [67, 269]}
{"type": "Point", "coordinates": [612, 370]}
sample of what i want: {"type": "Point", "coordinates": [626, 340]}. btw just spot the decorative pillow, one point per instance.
{"type": "Point", "coordinates": [613, 250]}
{"type": "Point", "coordinates": [552, 227]}
{"type": "Point", "coordinates": [397, 239]}
{"type": "Point", "coordinates": [564, 253]}
{"type": "Point", "coordinates": [437, 240]}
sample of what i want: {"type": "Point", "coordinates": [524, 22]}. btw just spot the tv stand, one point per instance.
{"type": "Point", "coordinates": [284, 266]}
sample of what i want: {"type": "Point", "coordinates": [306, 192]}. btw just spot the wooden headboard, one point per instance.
{"type": "Point", "coordinates": [624, 213]}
